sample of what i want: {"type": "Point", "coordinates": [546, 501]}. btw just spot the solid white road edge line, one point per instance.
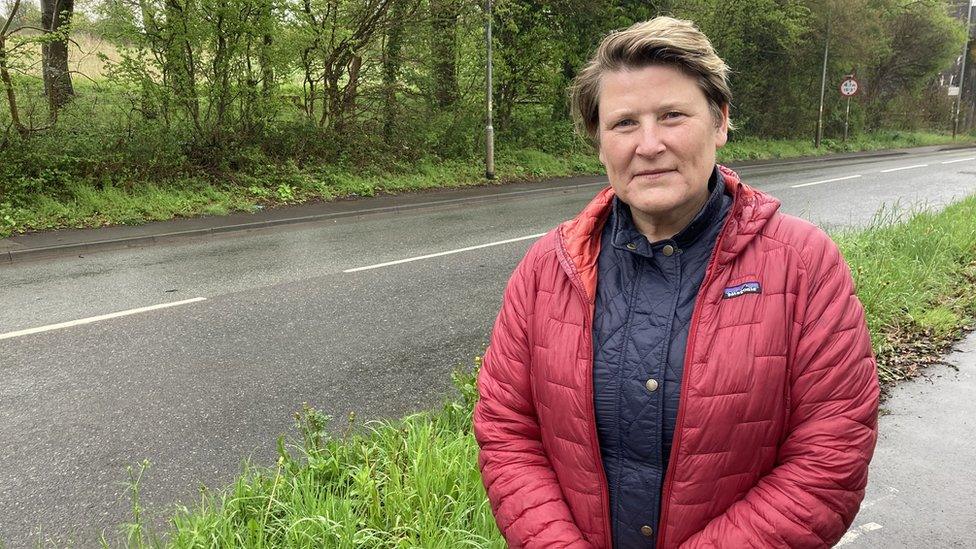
{"type": "Point", "coordinates": [825, 181]}
{"type": "Point", "coordinates": [904, 168]}
{"type": "Point", "coordinates": [959, 160]}
{"type": "Point", "coordinates": [439, 254]}
{"type": "Point", "coordinates": [89, 320]}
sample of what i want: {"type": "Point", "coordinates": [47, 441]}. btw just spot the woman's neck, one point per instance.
{"type": "Point", "coordinates": [663, 227]}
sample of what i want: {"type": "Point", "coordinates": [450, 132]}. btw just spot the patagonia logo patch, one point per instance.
{"type": "Point", "coordinates": [742, 289]}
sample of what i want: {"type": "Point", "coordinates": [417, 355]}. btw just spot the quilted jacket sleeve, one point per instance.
{"type": "Point", "coordinates": [522, 487]}
{"type": "Point", "coordinates": [811, 497]}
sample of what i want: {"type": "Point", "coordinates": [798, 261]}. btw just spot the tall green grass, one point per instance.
{"type": "Point", "coordinates": [916, 276]}
{"type": "Point", "coordinates": [397, 484]}
{"type": "Point", "coordinates": [414, 482]}
{"type": "Point", "coordinates": [759, 149]}
{"type": "Point", "coordinates": [94, 204]}
{"type": "Point", "coordinates": [84, 203]}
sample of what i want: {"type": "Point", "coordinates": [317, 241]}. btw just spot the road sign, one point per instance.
{"type": "Point", "coordinates": [953, 91]}
{"type": "Point", "coordinates": [849, 87]}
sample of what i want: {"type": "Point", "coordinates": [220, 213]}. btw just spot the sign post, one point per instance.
{"type": "Point", "coordinates": [848, 88]}
{"type": "Point", "coordinates": [962, 68]}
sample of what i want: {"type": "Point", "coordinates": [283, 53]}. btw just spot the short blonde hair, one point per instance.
{"type": "Point", "coordinates": [660, 41]}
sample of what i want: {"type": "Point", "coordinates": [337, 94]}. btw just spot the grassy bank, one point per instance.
{"type": "Point", "coordinates": [70, 202]}
{"type": "Point", "coordinates": [758, 149]}
{"type": "Point", "coordinates": [414, 483]}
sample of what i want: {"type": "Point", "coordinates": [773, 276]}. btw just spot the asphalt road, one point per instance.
{"type": "Point", "coordinates": [195, 388]}
{"type": "Point", "coordinates": [922, 481]}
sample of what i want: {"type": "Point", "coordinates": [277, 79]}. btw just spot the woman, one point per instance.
{"type": "Point", "coordinates": [681, 364]}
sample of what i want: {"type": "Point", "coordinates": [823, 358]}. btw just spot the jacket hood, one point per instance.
{"type": "Point", "coordinates": [579, 238]}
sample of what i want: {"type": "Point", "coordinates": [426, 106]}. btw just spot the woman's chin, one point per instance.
{"type": "Point", "coordinates": [659, 206]}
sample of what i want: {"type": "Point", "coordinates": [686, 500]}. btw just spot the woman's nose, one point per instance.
{"type": "Point", "coordinates": [651, 141]}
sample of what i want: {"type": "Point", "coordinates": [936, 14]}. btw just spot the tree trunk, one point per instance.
{"type": "Point", "coordinates": [267, 69]}
{"type": "Point", "coordinates": [392, 60]}
{"type": "Point", "coordinates": [264, 51]}
{"type": "Point", "coordinates": [180, 64]}
{"type": "Point", "coordinates": [352, 88]}
{"type": "Point", "coordinates": [444, 20]}
{"type": "Point", "coordinates": [56, 18]}
{"type": "Point", "coordinates": [8, 86]}
{"type": "Point", "coordinates": [560, 105]}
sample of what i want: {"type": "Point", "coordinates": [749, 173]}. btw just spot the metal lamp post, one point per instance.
{"type": "Point", "coordinates": [489, 130]}
{"type": "Point", "coordinates": [823, 88]}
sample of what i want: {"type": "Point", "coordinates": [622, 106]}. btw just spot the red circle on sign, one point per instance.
{"type": "Point", "coordinates": [849, 87]}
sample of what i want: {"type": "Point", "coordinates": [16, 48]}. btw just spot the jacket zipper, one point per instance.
{"type": "Point", "coordinates": [682, 397]}
{"type": "Point", "coordinates": [570, 269]}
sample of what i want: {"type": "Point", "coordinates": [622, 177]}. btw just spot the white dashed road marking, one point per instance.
{"type": "Point", "coordinates": [89, 320]}
{"type": "Point", "coordinates": [439, 254]}
{"type": "Point", "coordinates": [855, 533]}
{"type": "Point", "coordinates": [905, 168]}
{"type": "Point", "coordinates": [825, 181]}
{"type": "Point", "coordinates": [892, 492]}
{"type": "Point", "coordinates": [959, 160]}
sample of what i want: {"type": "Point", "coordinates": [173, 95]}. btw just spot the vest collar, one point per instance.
{"type": "Point", "coordinates": [579, 238]}
{"type": "Point", "coordinates": [625, 231]}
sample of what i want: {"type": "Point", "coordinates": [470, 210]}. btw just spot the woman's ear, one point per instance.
{"type": "Point", "coordinates": [722, 131]}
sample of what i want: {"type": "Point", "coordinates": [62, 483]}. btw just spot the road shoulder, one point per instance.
{"type": "Point", "coordinates": [922, 481]}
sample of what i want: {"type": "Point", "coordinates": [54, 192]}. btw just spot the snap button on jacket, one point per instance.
{"type": "Point", "coordinates": [777, 416]}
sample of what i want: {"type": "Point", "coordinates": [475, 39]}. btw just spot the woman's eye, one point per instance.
{"type": "Point", "coordinates": [673, 114]}
{"type": "Point", "coordinates": [623, 123]}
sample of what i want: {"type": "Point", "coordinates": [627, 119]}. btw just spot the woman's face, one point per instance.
{"type": "Point", "coordinates": [657, 139]}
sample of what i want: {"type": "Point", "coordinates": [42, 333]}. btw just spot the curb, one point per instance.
{"type": "Point", "coordinates": [9, 257]}
{"type": "Point", "coordinates": [147, 240]}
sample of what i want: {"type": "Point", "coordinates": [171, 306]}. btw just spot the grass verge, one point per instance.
{"type": "Point", "coordinates": [83, 203]}
{"type": "Point", "coordinates": [759, 149]}
{"type": "Point", "coordinates": [917, 280]}
{"type": "Point", "coordinates": [414, 483]}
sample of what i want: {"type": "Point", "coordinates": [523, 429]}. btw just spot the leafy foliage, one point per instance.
{"type": "Point", "coordinates": [226, 90]}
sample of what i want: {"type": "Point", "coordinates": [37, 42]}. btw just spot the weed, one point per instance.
{"type": "Point", "coordinates": [136, 532]}
{"type": "Point", "coordinates": [286, 193]}
{"type": "Point", "coordinates": [258, 191]}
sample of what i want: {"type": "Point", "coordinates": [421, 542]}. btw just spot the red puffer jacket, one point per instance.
{"type": "Point", "coordinates": [778, 413]}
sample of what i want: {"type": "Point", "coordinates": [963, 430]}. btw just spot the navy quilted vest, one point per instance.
{"type": "Point", "coordinates": [645, 296]}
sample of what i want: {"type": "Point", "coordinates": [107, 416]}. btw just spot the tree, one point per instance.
{"type": "Point", "coordinates": [922, 40]}
{"type": "Point", "coordinates": [444, 50]}
{"type": "Point", "coordinates": [12, 59]}
{"type": "Point", "coordinates": [56, 20]}
{"type": "Point", "coordinates": [392, 64]}
{"type": "Point", "coordinates": [577, 26]}
{"type": "Point", "coordinates": [6, 29]}
{"type": "Point", "coordinates": [21, 14]}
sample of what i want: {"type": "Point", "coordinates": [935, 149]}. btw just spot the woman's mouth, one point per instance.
{"type": "Point", "coordinates": [652, 174]}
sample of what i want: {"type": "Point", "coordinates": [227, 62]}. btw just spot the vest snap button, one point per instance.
{"type": "Point", "coordinates": [631, 246]}
{"type": "Point", "coordinates": [647, 531]}
{"type": "Point", "coordinates": [651, 385]}
{"type": "Point", "coordinates": [668, 250]}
